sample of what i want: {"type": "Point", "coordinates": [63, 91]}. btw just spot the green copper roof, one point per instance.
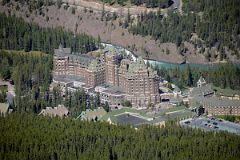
{"type": "Point", "coordinates": [138, 65]}
{"type": "Point", "coordinates": [93, 65]}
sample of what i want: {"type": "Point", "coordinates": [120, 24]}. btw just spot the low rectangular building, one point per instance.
{"type": "Point", "coordinates": [60, 111]}
{"type": "Point", "coordinates": [4, 107]}
{"type": "Point", "coordinates": [218, 106]}
{"type": "Point", "coordinates": [94, 115]}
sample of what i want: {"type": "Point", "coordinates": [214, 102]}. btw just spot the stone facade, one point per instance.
{"type": "Point", "coordinates": [219, 106]}
{"type": "Point", "coordinates": [139, 83]}
{"type": "Point", "coordinates": [90, 68]}
{"type": "Point", "coordinates": [205, 96]}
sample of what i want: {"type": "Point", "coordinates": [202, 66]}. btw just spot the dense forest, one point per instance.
{"type": "Point", "coordinates": [223, 75]}
{"type": "Point", "coordinates": [31, 74]}
{"type": "Point", "coordinates": [19, 35]}
{"type": "Point", "coordinates": [31, 71]}
{"type": "Point", "coordinates": [175, 28]}
{"type": "Point", "coordinates": [217, 23]}
{"type": "Point", "coordinates": [27, 136]}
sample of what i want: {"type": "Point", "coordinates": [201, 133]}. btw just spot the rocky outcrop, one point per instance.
{"type": "Point", "coordinates": [121, 10]}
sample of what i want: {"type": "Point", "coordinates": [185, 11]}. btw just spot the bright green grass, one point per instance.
{"type": "Point", "coordinates": [183, 112]}
{"type": "Point", "coordinates": [164, 111]}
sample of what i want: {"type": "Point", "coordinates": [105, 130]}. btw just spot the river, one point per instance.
{"type": "Point", "coordinates": [160, 64]}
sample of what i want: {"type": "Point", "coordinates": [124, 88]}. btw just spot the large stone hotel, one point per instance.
{"type": "Point", "coordinates": [113, 75]}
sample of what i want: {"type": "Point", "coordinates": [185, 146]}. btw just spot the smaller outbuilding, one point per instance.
{"type": "Point", "coordinates": [60, 111]}
{"type": "Point", "coordinates": [4, 108]}
{"type": "Point", "coordinates": [201, 82]}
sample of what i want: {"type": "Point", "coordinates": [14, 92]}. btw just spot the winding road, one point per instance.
{"type": "Point", "coordinates": [121, 10]}
{"type": "Point", "coordinates": [178, 5]}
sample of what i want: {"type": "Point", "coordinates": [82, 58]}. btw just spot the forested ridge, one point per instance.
{"type": "Point", "coordinates": [26, 136]}
{"type": "Point", "coordinates": [224, 75]}
{"type": "Point", "coordinates": [16, 34]}
{"type": "Point", "coordinates": [217, 23]}
{"type": "Point", "coordinates": [206, 24]}
{"type": "Point", "coordinates": [31, 70]}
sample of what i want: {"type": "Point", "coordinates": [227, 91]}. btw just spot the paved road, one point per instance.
{"type": "Point", "coordinates": [98, 7]}
{"type": "Point", "coordinates": [176, 3]}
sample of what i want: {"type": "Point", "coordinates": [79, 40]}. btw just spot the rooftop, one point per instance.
{"type": "Point", "coordinates": [56, 111]}
{"type": "Point", "coordinates": [226, 91]}
{"type": "Point", "coordinates": [62, 51]}
{"type": "Point", "coordinates": [92, 114]}
{"type": "Point", "coordinates": [84, 59]}
{"type": "Point", "coordinates": [219, 102]}
{"type": "Point", "coordinates": [127, 118]}
{"type": "Point", "coordinates": [140, 65]}
{"type": "Point", "coordinates": [95, 65]}
{"type": "Point", "coordinates": [201, 80]}
{"type": "Point", "coordinates": [113, 90]}
{"type": "Point", "coordinates": [176, 89]}
{"type": "Point", "coordinates": [4, 107]}
{"type": "Point", "coordinates": [201, 91]}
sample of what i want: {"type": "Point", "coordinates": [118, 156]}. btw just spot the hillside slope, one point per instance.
{"type": "Point", "coordinates": [104, 25]}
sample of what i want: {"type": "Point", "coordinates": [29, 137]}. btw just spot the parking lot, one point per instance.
{"type": "Point", "coordinates": [212, 124]}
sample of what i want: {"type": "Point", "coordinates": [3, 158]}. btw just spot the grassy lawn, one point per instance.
{"type": "Point", "coordinates": [165, 111]}
{"type": "Point", "coordinates": [183, 112]}
{"type": "Point", "coordinates": [123, 110]}
{"type": "Point", "coordinates": [179, 115]}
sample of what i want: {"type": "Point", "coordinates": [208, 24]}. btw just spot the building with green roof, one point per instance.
{"type": "Point", "coordinates": [4, 107]}
{"type": "Point", "coordinates": [138, 83]}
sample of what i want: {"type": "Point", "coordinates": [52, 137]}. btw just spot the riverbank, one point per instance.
{"type": "Point", "coordinates": [165, 64]}
{"type": "Point", "coordinates": [91, 24]}
{"type": "Point", "coordinates": [110, 31]}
